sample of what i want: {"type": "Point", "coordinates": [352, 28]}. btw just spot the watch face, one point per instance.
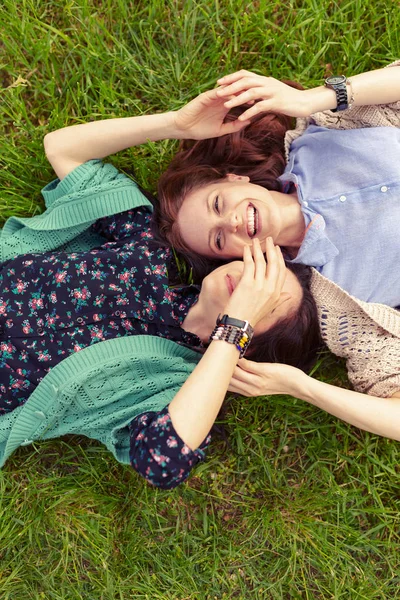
{"type": "Point", "coordinates": [336, 79]}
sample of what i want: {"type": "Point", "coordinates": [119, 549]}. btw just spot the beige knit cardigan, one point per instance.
{"type": "Point", "coordinates": [366, 334]}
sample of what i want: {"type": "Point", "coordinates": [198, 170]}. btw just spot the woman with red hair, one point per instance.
{"type": "Point", "coordinates": [373, 367]}
{"type": "Point", "coordinates": [219, 194]}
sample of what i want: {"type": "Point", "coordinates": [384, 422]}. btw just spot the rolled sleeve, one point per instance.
{"type": "Point", "coordinates": [158, 453]}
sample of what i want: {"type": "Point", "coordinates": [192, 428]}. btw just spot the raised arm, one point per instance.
{"type": "Point", "coordinates": [373, 87]}
{"type": "Point", "coordinates": [377, 415]}
{"type": "Point", "coordinates": [196, 405]}
{"type": "Point", "coordinates": [201, 118]}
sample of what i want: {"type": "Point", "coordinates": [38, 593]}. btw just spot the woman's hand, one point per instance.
{"type": "Point", "coordinates": [270, 95]}
{"type": "Point", "coordinates": [203, 118]}
{"type": "Point", "coordinates": [259, 290]}
{"type": "Point", "coordinates": [262, 379]}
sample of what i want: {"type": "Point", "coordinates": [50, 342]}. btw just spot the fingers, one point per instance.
{"type": "Point", "coordinates": [244, 97]}
{"type": "Point", "coordinates": [232, 77]}
{"type": "Point", "coordinates": [233, 126]}
{"type": "Point", "coordinates": [241, 84]}
{"type": "Point", "coordinates": [276, 269]}
{"type": "Point", "coordinates": [249, 267]}
{"type": "Point", "coordinates": [258, 107]}
{"type": "Point", "coordinates": [259, 261]}
{"type": "Point", "coordinates": [244, 364]}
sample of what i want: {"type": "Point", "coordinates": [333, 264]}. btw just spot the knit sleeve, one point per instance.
{"type": "Point", "coordinates": [93, 176]}
{"type": "Point", "coordinates": [366, 335]}
{"type": "Point", "coordinates": [158, 453]}
{"type": "Point", "coordinates": [91, 191]}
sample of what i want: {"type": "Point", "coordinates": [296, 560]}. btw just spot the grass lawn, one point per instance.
{"type": "Point", "coordinates": [291, 503]}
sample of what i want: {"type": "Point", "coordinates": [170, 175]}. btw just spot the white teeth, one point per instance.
{"type": "Point", "coordinates": [251, 220]}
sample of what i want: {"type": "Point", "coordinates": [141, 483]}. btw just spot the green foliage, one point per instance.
{"type": "Point", "coordinates": [293, 503]}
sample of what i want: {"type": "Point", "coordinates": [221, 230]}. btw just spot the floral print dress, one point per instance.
{"type": "Point", "coordinates": [55, 304]}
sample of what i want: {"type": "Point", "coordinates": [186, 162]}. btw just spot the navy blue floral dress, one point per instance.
{"type": "Point", "coordinates": [55, 304]}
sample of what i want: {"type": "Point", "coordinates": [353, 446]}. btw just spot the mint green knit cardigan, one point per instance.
{"type": "Point", "coordinates": [95, 392]}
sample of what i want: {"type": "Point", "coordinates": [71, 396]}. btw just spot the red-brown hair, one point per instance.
{"type": "Point", "coordinates": [256, 151]}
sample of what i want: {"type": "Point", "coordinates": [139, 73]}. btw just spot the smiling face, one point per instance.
{"type": "Point", "coordinates": [218, 219]}
{"type": "Point", "coordinates": [219, 285]}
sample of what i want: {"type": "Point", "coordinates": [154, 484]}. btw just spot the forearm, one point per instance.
{"type": "Point", "coordinates": [373, 87]}
{"type": "Point", "coordinates": [377, 415]}
{"type": "Point", "coordinates": [196, 405]}
{"type": "Point", "coordinates": [69, 147]}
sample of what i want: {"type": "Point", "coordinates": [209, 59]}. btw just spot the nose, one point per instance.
{"type": "Point", "coordinates": [232, 222]}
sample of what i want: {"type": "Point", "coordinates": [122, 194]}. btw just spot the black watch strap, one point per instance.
{"type": "Point", "coordinates": [227, 320]}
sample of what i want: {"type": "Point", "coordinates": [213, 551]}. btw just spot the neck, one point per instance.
{"type": "Point", "coordinates": [293, 226]}
{"type": "Point", "coordinates": [194, 323]}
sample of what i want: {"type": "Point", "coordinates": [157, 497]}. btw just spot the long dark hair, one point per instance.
{"type": "Point", "coordinates": [296, 339]}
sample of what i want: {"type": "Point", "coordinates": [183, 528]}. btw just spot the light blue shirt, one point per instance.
{"type": "Point", "coordinates": [348, 185]}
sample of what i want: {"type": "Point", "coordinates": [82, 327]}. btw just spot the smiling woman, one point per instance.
{"type": "Point", "coordinates": [95, 342]}
{"type": "Point", "coordinates": [218, 219]}
{"type": "Point", "coordinates": [218, 195]}
{"type": "Point", "coordinates": [100, 345]}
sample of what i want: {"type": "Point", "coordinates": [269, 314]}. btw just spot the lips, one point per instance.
{"type": "Point", "coordinates": [230, 283]}
{"type": "Point", "coordinates": [252, 220]}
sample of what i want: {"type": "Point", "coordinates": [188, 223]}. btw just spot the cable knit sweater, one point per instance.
{"type": "Point", "coordinates": [367, 335]}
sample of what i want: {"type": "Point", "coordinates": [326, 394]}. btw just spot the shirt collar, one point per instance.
{"type": "Point", "coordinates": [316, 248]}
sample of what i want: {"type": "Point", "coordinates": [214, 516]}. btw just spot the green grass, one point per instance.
{"type": "Point", "coordinates": [293, 503]}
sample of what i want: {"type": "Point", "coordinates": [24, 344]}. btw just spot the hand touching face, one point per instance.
{"type": "Point", "coordinates": [250, 290]}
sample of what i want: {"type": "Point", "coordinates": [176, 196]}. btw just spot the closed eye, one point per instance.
{"type": "Point", "coordinates": [216, 204]}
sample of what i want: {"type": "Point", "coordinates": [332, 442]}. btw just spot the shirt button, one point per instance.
{"type": "Point", "coordinates": [40, 330]}
{"type": "Point", "coordinates": [342, 198]}
{"type": "Point", "coordinates": [384, 188]}
{"type": "Point", "coordinates": [117, 313]}
{"type": "Point", "coordinates": [305, 203]}
{"type": "Point", "coordinates": [150, 318]}
{"type": "Point", "coordinates": [79, 320]}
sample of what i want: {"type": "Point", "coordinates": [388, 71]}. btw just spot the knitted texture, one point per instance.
{"type": "Point", "coordinates": [72, 205]}
{"type": "Point", "coordinates": [367, 335]}
{"type": "Point", "coordinates": [98, 391]}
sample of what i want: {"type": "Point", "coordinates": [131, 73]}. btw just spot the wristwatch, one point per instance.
{"type": "Point", "coordinates": [227, 320]}
{"type": "Point", "coordinates": [233, 331]}
{"type": "Point", "coordinates": [338, 84]}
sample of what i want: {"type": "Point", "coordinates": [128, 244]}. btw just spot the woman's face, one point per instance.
{"type": "Point", "coordinates": [218, 219]}
{"type": "Point", "coordinates": [219, 285]}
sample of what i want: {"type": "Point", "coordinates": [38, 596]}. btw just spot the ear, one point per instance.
{"type": "Point", "coordinates": [231, 177]}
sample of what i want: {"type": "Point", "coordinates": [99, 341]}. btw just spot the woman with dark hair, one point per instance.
{"type": "Point", "coordinates": [217, 195]}
{"type": "Point", "coordinates": [95, 342]}
{"type": "Point", "coordinates": [366, 335]}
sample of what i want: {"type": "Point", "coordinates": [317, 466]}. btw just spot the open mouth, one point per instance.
{"type": "Point", "coordinates": [252, 220]}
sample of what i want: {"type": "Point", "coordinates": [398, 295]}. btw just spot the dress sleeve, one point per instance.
{"type": "Point", "coordinates": [158, 453]}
